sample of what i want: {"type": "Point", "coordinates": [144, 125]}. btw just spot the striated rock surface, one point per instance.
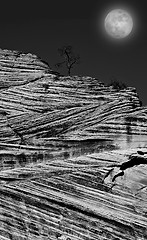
{"type": "Point", "coordinates": [47, 193]}
{"type": "Point", "coordinates": [73, 199]}
{"type": "Point", "coordinates": [36, 102]}
{"type": "Point", "coordinates": [17, 68]}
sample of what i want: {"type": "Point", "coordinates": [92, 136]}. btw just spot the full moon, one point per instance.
{"type": "Point", "coordinates": [118, 24]}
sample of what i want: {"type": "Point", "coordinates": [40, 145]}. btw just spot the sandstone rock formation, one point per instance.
{"type": "Point", "coordinates": [44, 196]}
{"type": "Point", "coordinates": [69, 199]}
{"type": "Point", "coordinates": [36, 102]}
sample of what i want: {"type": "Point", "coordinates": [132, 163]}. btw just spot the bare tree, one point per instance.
{"type": "Point", "coordinates": [70, 59]}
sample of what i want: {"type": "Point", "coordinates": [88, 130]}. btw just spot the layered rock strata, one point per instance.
{"type": "Point", "coordinates": [73, 199]}
{"type": "Point", "coordinates": [36, 102]}
{"type": "Point", "coordinates": [45, 195]}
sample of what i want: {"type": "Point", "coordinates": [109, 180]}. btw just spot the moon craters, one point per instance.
{"type": "Point", "coordinates": [118, 24]}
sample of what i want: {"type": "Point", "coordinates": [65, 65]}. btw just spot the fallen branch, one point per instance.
{"type": "Point", "coordinates": [134, 160]}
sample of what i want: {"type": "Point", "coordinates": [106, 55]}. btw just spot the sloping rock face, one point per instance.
{"type": "Point", "coordinates": [71, 199]}
{"type": "Point", "coordinates": [45, 195]}
{"type": "Point", "coordinates": [36, 102]}
{"type": "Point", "coordinates": [18, 68]}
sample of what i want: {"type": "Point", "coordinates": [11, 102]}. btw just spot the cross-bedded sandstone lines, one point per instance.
{"type": "Point", "coordinates": [68, 198]}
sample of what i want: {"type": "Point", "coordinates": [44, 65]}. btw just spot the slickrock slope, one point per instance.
{"type": "Point", "coordinates": [45, 195]}
{"type": "Point", "coordinates": [36, 102]}
{"type": "Point", "coordinates": [70, 199]}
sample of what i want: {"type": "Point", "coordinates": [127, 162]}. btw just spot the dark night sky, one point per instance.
{"type": "Point", "coordinates": [41, 27]}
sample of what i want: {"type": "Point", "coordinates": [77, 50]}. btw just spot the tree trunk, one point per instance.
{"type": "Point", "coordinates": [69, 71]}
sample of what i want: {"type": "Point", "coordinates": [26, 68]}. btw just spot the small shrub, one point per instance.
{"type": "Point", "coordinates": [117, 85]}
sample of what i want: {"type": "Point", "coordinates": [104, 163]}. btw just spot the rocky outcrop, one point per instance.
{"type": "Point", "coordinates": [72, 199]}
{"type": "Point", "coordinates": [44, 192]}
{"type": "Point", "coordinates": [17, 68]}
{"type": "Point", "coordinates": [37, 102]}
